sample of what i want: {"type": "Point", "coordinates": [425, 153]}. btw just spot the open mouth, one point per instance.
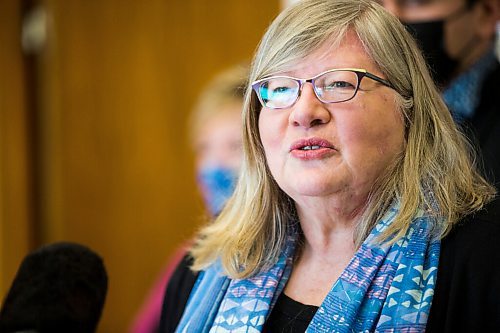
{"type": "Point", "coordinates": [311, 144]}
{"type": "Point", "coordinates": [310, 147]}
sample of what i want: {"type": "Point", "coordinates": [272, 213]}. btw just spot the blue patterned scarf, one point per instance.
{"type": "Point", "coordinates": [385, 288]}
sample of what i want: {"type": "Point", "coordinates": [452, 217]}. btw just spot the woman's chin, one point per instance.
{"type": "Point", "coordinates": [315, 189]}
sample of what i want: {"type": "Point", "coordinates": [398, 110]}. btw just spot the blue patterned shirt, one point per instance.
{"type": "Point", "coordinates": [464, 93]}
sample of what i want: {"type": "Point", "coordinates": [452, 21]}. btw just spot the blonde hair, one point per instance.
{"type": "Point", "coordinates": [226, 88]}
{"type": "Point", "coordinates": [435, 171]}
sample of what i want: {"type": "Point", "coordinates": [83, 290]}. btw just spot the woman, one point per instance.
{"type": "Point", "coordinates": [215, 135]}
{"type": "Point", "coordinates": [353, 185]}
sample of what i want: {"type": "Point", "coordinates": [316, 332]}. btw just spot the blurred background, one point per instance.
{"type": "Point", "coordinates": [94, 98]}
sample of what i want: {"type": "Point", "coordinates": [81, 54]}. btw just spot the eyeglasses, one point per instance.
{"type": "Point", "coordinates": [332, 86]}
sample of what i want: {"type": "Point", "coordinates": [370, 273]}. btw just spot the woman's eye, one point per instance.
{"type": "Point", "coordinates": [339, 85]}
{"type": "Point", "coordinates": [280, 90]}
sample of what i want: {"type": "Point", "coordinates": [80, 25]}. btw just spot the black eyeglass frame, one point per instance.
{"type": "Point", "coordinates": [361, 73]}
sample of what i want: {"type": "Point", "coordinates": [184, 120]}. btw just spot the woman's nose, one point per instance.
{"type": "Point", "coordinates": [309, 111]}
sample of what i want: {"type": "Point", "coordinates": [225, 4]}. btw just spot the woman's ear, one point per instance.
{"type": "Point", "coordinates": [488, 15]}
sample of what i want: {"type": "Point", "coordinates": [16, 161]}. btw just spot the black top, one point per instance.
{"type": "Point", "coordinates": [466, 297]}
{"type": "Point", "coordinates": [176, 295]}
{"type": "Point", "coordinates": [289, 316]}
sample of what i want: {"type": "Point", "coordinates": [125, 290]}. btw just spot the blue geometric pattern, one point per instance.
{"type": "Point", "coordinates": [385, 288]}
{"type": "Point", "coordinates": [248, 301]}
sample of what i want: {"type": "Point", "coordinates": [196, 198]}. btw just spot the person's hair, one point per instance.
{"type": "Point", "coordinates": [435, 171]}
{"type": "Point", "coordinates": [225, 89]}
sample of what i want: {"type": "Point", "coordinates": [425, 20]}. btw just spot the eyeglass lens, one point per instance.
{"type": "Point", "coordinates": [330, 87]}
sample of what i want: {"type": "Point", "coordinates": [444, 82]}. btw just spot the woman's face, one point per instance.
{"type": "Point", "coordinates": [358, 138]}
{"type": "Point", "coordinates": [219, 141]}
{"type": "Point", "coordinates": [218, 156]}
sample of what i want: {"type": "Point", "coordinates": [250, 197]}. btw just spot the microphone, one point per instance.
{"type": "Point", "coordinates": [60, 287]}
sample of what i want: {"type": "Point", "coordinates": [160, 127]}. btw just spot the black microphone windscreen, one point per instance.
{"type": "Point", "coordinates": [58, 288]}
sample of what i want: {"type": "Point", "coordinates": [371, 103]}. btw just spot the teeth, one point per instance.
{"type": "Point", "coordinates": [311, 147]}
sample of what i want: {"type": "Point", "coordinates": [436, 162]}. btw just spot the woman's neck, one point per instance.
{"type": "Point", "coordinates": [327, 222]}
{"type": "Point", "coordinates": [320, 261]}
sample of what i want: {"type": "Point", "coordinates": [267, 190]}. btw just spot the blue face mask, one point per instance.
{"type": "Point", "coordinates": [217, 185]}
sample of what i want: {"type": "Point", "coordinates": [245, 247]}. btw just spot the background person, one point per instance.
{"type": "Point", "coordinates": [458, 39]}
{"type": "Point", "coordinates": [358, 207]}
{"type": "Point", "coordinates": [215, 134]}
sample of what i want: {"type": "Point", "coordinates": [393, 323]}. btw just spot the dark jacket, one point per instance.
{"type": "Point", "coordinates": [484, 128]}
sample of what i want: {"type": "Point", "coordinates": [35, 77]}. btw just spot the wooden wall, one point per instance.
{"type": "Point", "coordinates": [114, 84]}
{"type": "Point", "coordinates": [15, 168]}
